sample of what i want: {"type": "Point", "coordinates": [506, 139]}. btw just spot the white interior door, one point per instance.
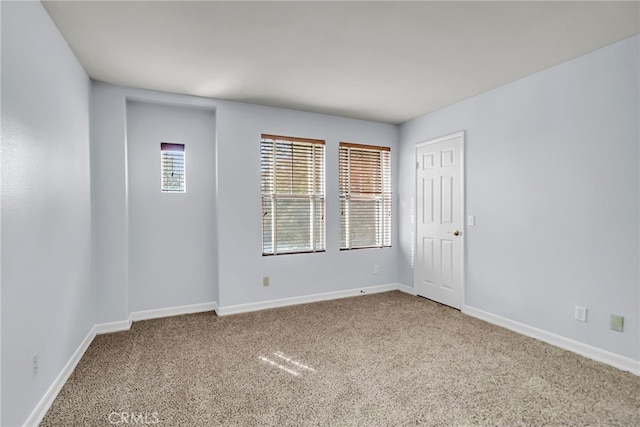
{"type": "Point", "coordinates": [438, 270]}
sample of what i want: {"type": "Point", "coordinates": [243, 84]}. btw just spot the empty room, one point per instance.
{"type": "Point", "coordinates": [320, 213]}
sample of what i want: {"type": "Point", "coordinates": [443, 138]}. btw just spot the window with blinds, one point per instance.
{"type": "Point", "coordinates": [293, 195]}
{"type": "Point", "coordinates": [172, 179]}
{"type": "Point", "coordinates": [365, 196]}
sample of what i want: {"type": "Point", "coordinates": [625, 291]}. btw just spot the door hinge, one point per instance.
{"type": "Point", "coordinates": [417, 165]}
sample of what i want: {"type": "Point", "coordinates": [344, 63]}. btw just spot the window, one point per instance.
{"type": "Point", "coordinates": [292, 195]}
{"type": "Point", "coordinates": [172, 165]}
{"type": "Point", "coordinates": [365, 196]}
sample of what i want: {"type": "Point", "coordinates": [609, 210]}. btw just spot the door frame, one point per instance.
{"type": "Point", "coordinates": [463, 226]}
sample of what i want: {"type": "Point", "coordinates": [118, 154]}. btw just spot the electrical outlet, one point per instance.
{"type": "Point", "coordinates": [265, 281]}
{"type": "Point", "coordinates": [580, 314]}
{"type": "Point", "coordinates": [471, 220]}
{"type": "Point", "coordinates": [34, 364]}
{"type": "Point", "coordinates": [617, 322]}
{"type": "Point", "coordinates": [376, 269]}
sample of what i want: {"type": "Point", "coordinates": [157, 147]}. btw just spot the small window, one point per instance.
{"type": "Point", "coordinates": [172, 164]}
{"type": "Point", "coordinates": [292, 171]}
{"type": "Point", "coordinates": [365, 196]}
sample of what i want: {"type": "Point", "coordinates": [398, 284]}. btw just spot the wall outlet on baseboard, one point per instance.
{"type": "Point", "coordinates": [580, 313]}
{"type": "Point", "coordinates": [265, 281]}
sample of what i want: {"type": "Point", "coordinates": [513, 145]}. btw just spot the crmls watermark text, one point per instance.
{"type": "Point", "coordinates": [133, 418]}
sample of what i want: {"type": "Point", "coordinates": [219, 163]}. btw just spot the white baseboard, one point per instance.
{"type": "Point", "coordinates": [45, 403]}
{"type": "Point", "coordinates": [594, 353]}
{"type": "Point", "coordinates": [305, 299]}
{"type": "Point", "coordinates": [107, 328]}
{"type": "Point", "coordinates": [172, 311]}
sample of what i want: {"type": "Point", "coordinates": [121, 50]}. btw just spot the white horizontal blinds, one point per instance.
{"type": "Point", "coordinates": [365, 196]}
{"type": "Point", "coordinates": [293, 195]}
{"type": "Point", "coordinates": [173, 167]}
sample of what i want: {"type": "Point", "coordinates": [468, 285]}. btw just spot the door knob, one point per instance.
{"type": "Point", "coordinates": [456, 233]}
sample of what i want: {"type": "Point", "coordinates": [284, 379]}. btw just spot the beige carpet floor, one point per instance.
{"type": "Point", "coordinates": [377, 360]}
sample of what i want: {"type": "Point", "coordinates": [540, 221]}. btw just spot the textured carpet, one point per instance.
{"type": "Point", "coordinates": [375, 360]}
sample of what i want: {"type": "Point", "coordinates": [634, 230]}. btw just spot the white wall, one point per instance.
{"type": "Point", "coordinates": [552, 177]}
{"type": "Point", "coordinates": [241, 262]}
{"type": "Point", "coordinates": [172, 236]}
{"type": "Point", "coordinates": [237, 189]}
{"type": "Point", "coordinates": [110, 195]}
{"type": "Point", "coordinates": [47, 295]}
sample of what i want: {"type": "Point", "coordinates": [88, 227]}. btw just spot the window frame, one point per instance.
{"type": "Point", "coordinates": [172, 147]}
{"type": "Point", "coordinates": [312, 196]}
{"type": "Point", "coordinates": [384, 214]}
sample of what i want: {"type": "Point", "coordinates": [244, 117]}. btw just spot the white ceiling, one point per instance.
{"type": "Point", "coordinates": [383, 61]}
